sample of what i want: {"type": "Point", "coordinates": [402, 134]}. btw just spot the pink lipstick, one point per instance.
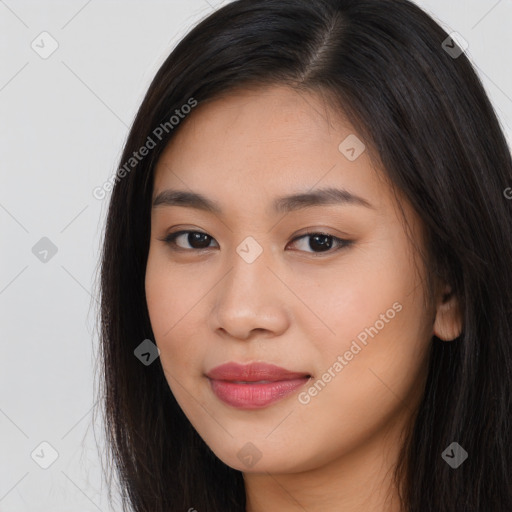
{"type": "Point", "coordinates": [255, 385]}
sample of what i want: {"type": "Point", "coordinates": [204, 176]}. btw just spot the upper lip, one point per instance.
{"type": "Point", "coordinates": [253, 372]}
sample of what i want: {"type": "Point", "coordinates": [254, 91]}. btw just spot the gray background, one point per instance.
{"type": "Point", "coordinates": [64, 120]}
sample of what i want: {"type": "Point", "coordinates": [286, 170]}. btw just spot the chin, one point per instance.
{"type": "Point", "coordinates": [251, 459]}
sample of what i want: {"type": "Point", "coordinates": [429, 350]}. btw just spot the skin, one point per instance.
{"type": "Point", "coordinates": [295, 306]}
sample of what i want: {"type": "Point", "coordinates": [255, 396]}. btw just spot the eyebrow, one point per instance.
{"type": "Point", "coordinates": [289, 203]}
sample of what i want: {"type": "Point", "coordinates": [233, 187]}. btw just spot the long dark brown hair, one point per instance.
{"type": "Point", "coordinates": [390, 69]}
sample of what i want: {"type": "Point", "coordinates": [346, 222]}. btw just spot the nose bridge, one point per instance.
{"type": "Point", "coordinates": [248, 264]}
{"type": "Point", "coordinates": [246, 298]}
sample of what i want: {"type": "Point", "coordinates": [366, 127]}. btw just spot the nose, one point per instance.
{"type": "Point", "coordinates": [250, 299]}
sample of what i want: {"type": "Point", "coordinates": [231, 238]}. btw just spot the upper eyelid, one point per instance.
{"type": "Point", "coordinates": [180, 232]}
{"type": "Point", "coordinates": [307, 233]}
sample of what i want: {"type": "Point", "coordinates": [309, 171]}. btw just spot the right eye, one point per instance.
{"type": "Point", "coordinates": [197, 240]}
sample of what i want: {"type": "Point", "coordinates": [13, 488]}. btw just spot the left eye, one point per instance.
{"type": "Point", "coordinates": [323, 241]}
{"type": "Point", "coordinates": [198, 240]}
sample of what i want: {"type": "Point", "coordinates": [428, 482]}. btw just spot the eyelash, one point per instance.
{"type": "Point", "coordinates": [170, 239]}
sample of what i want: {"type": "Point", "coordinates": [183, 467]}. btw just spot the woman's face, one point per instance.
{"type": "Point", "coordinates": [249, 285]}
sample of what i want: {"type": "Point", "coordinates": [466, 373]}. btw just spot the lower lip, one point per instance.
{"type": "Point", "coordinates": [254, 396]}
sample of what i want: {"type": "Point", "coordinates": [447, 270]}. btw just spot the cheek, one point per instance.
{"type": "Point", "coordinates": [351, 296]}
{"type": "Point", "coordinates": [384, 356]}
{"type": "Point", "coordinates": [170, 296]}
{"type": "Point", "coordinates": [171, 299]}
{"type": "Point", "coordinates": [382, 366]}
{"type": "Point", "coordinates": [377, 320]}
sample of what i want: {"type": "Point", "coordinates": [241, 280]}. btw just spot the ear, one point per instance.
{"type": "Point", "coordinates": [448, 321]}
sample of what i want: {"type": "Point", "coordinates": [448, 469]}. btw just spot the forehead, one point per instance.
{"type": "Point", "coordinates": [265, 142]}
{"type": "Point", "coordinates": [256, 114]}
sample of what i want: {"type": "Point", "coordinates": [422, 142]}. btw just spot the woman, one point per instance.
{"type": "Point", "coordinates": [368, 369]}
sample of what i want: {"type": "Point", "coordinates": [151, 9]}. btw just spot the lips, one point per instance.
{"type": "Point", "coordinates": [255, 385]}
{"type": "Point", "coordinates": [253, 373]}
